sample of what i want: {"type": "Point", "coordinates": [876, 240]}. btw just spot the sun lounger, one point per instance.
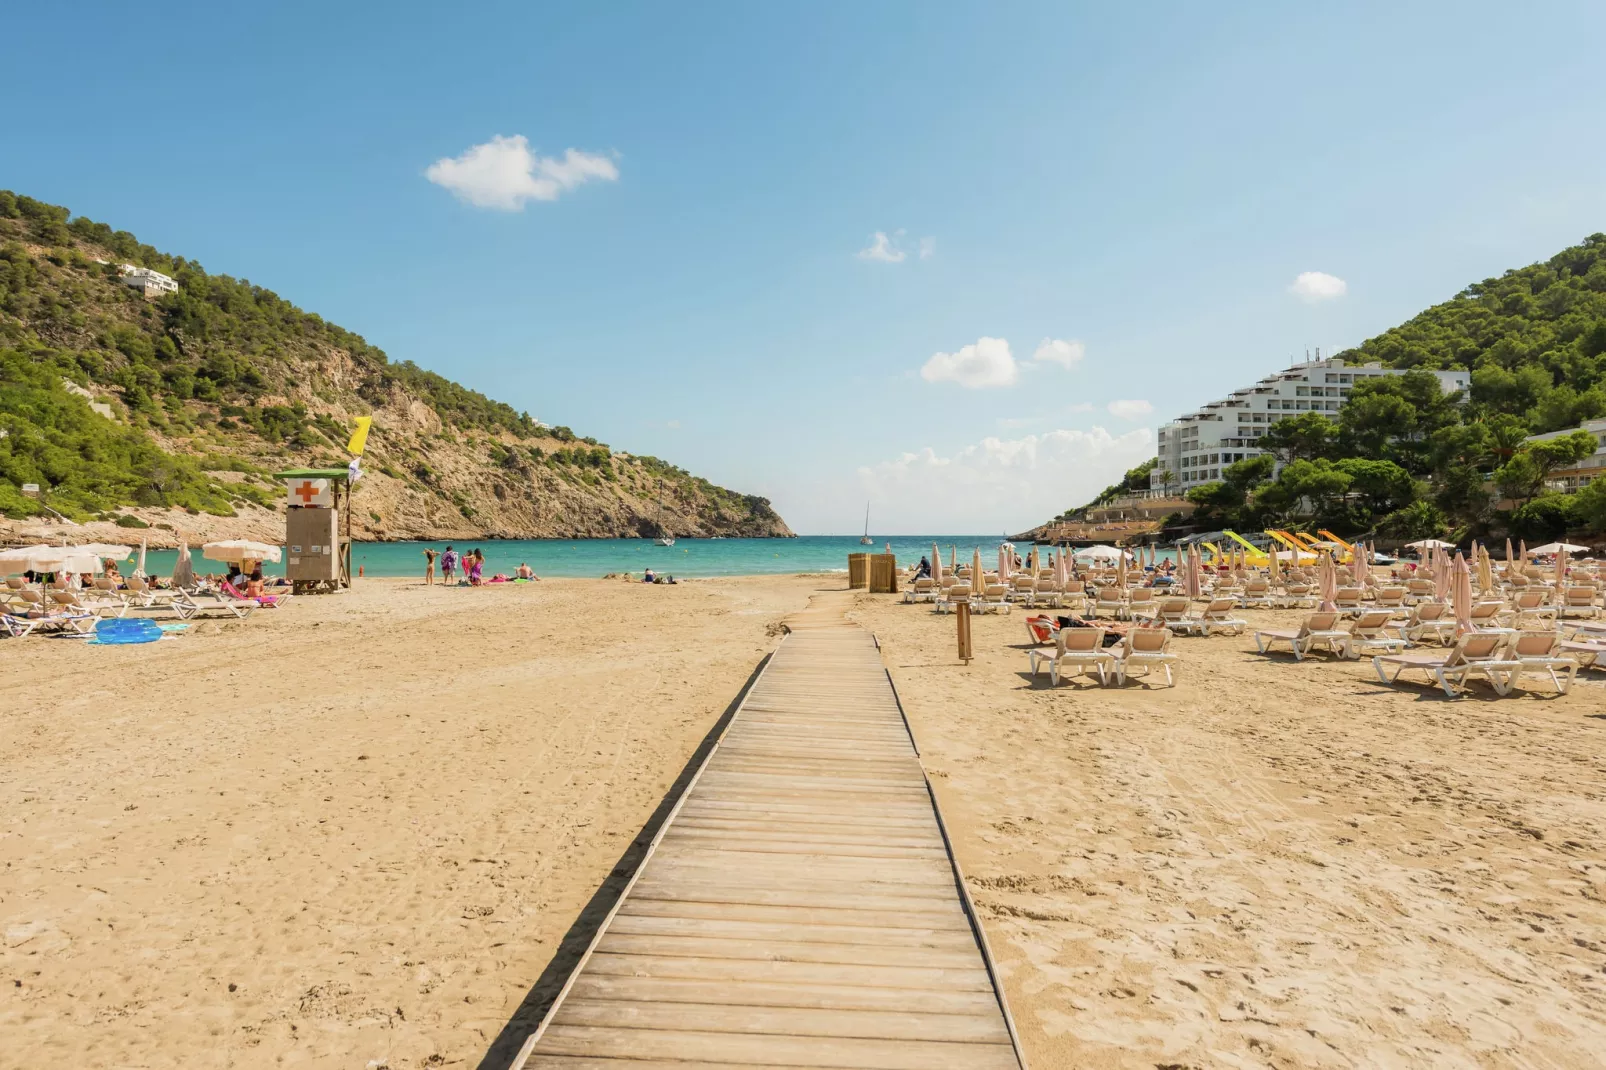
{"type": "Point", "coordinates": [1081, 649]}
{"type": "Point", "coordinates": [1142, 651]}
{"type": "Point", "coordinates": [994, 598]}
{"type": "Point", "coordinates": [1541, 652]}
{"type": "Point", "coordinates": [1111, 603]}
{"type": "Point", "coordinates": [1041, 629]}
{"type": "Point", "coordinates": [922, 590]}
{"type": "Point", "coordinates": [1587, 654]}
{"type": "Point", "coordinates": [19, 626]}
{"type": "Point", "coordinates": [1367, 635]}
{"type": "Point", "coordinates": [1318, 630]}
{"type": "Point", "coordinates": [1297, 596]}
{"type": "Point", "coordinates": [1348, 600]}
{"type": "Point", "coordinates": [1257, 594]}
{"type": "Point", "coordinates": [957, 594]}
{"type": "Point", "coordinates": [1217, 616]}
{"type": "Point", "coordinates": [79, 602]}
{"type": "Point", "coordinates": [1579, 602]}
{"type": "Point", "coordinates": [1428, 620]}
{"type": "Point", "coordinates": [1174, 614]}
{"type": "Point", "coordinates": [1140, 602]}
{"type": "Point", "coordinates": [1391, 598]}
{"type": "Point", "coordinates": [188, 606]}
{"type": "Point", "coordinates": [1474, 654]}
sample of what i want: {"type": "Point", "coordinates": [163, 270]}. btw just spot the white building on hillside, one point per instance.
{"type": "Point", "coordinates": [148, 282]}
{"type": "Point", "coordinates": [1195, 448]}
{"type": "Point", "coordinates": [1586, 471]}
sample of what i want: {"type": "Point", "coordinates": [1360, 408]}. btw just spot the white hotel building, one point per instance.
{"type": "Point", "coordinates": [1195, 448]}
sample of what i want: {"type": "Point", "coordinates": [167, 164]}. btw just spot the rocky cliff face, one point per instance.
{"type": "Point", "coordinates": [232, 383]}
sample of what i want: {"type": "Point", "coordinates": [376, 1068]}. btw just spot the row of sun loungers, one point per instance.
{"type": "Point", "coordinates": [28, 610]}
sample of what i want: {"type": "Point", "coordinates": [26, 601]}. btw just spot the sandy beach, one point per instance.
{"type": "Point", "coordinates": [372, 830]}
{"type": "Point", "coordinates": [1273, 864]}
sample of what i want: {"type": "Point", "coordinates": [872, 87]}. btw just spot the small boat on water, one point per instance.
{"type": "Point", "coordinates": [866, 540]}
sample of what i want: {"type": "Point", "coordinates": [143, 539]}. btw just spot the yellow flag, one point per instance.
{"type": "Point", "coordinates": [359, 437]}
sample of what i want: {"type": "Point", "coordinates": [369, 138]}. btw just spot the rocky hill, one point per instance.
{"type": "Point", "coordinates": [171, 410]}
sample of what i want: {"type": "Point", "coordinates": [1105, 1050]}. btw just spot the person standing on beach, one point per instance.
{"type": "Point", "coordinates": [429, 565]}
{"type": "Point", "coordinates": [448, 564]}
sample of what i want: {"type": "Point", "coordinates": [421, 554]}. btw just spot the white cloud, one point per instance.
{"type": "Point", "coordinates": [987, 363]}
{"type": "Point", "coordinates": [1057, 351]}
{"type": "Point", "coordinates": [1001, 483]}
{"type": "Point", "coordinates": [928, 248]}
{"type": "Point", "coordinates": [1131, 409]}
{"type": "Point", "coordinates": [883, 249]}
{"type": "Point", "coordinates": [503, 173]}
{"type": "Point", "coordinates": [1316, 286]}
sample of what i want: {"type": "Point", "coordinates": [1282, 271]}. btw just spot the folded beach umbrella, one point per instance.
{"type": "Point", "coordinates": [936, 564]}
{"type": "Point", "coordinates": [1485, 570]}
{"type": "Point", "coordinates": [1004, 554]}
{"type": "Point", "coordinates": [1061, 569]}
{"type": "Point", "coordinates": [1120, 571]}
{"type": "Point", "coordinates": [975, 571]}
{"type": "Point", "coordinates": [139, 569]}
{"type": "Point", "coordinates": [183, 568]}
{"type": "Point", "coordinates": [1271, 567]}
{"type": "Point", "coordinates": [1358, 560]}
{"type": "Point", "coordinates": [1462, 594]}
{"type": "Point", "coordinates": [1508, 555]}
{"type": "Point", "coordinates": [1522, 555]}
{"type": "Point", "coordinates": [1561, 567]}
{"type": "Point", "coordinates": [1192, 584]}
{"type": "Point", "coordinates": [1327, 580]}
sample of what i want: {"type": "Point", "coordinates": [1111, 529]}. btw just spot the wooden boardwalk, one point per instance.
{"type": "Point", "coordinates": [800, 907]}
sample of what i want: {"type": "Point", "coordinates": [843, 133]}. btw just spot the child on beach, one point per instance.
{"type": "Point", "coordinates": [429, 566]}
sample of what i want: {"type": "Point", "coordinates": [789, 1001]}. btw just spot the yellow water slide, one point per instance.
{"type": "Point", "coordinates": [1254, 554]}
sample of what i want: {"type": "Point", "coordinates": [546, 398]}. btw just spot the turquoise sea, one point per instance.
{"type": "Point", "coordinates": [688, 557]}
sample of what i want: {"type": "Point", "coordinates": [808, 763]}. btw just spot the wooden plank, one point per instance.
{"type": "Point", "coordinates": [787, 971]}
{"type": "Point", "coordinates": [840, 1053]}
{"type": "Point", "coordinates": [779, 994]}
{"type": "Point", "coordinates": [803, 917]}
{"type": "Point", "coordinates": [938, 958]}
{"type": "Point", "coordinates": [947, 939]}
{"type": "Point", "coordinates": [721, 1017]}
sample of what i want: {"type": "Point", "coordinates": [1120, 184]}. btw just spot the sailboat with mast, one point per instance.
{"type": "Point", "coordinates": [866, 540]}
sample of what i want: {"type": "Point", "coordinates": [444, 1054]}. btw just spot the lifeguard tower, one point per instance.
{"type": "Point", "coordinates": [318, 555]}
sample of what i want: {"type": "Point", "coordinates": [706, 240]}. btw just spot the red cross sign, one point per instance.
{"type": "Point", "coordinates": [309, 492]}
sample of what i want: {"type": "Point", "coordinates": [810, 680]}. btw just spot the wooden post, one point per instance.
{"type": "Point", "coordinates": [962, 615]}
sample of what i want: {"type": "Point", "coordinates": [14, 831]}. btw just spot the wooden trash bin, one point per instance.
{"type": "Point", "coordinates": [883, 573]}
{"type": "Point", "coordinates": [858, 571]}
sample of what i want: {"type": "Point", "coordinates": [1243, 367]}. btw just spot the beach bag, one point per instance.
{"type": "Point", "coordinates": [119, 631]}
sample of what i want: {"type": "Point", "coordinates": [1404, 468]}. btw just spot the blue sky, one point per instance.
{"type": "Point", "coordinates": [1139, 188]}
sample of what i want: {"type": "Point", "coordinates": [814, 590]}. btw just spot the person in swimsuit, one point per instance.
{"type": "Point", "coordinates": [429, 565]}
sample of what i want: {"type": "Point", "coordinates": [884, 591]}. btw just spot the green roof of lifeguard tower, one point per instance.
{"type": "Point", "coordinates": [312, 473]}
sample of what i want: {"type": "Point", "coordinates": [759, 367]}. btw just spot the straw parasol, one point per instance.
{"type": "Point", "coordinates": [239, 550]}
{"type": "Point", "coordinates": [1327, 581]}
{"type": "Point", "coordinates": [1462, 594]}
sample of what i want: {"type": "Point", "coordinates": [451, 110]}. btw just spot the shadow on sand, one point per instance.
{"type": "Point", "coordinates": [528, 1015]}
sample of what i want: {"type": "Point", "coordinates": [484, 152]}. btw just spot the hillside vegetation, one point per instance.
{"type": "Point", "coordinates": [1405, 461]}
{"type": "Point", "coordinates": [212, 388]}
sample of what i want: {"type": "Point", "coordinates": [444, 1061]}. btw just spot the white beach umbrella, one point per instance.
{"type": "Point", "coordinates": [139, 569]}
{"type": "Point", "coordinates": [16, 559]}
{"type": "Point", "coordinates": [1431, 544]}
{"type": "Point", "coordinates": [1559, 547]}
{"type": "Point", "coordinates": [239, 550]}
{"type": "Point", "coordinates": [106, 551]}
{"type": "Point", "coordinates": [59, 559]}
{"type": "Point", "coordinates": [936, 564]}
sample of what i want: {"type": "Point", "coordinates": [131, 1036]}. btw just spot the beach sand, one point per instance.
{"type": "Point", "coordinates": [369, 829]}
{"type": "Point", "coordinates": [1273, 864]}
{"type": "Point", "coordinates": [350, 833]}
